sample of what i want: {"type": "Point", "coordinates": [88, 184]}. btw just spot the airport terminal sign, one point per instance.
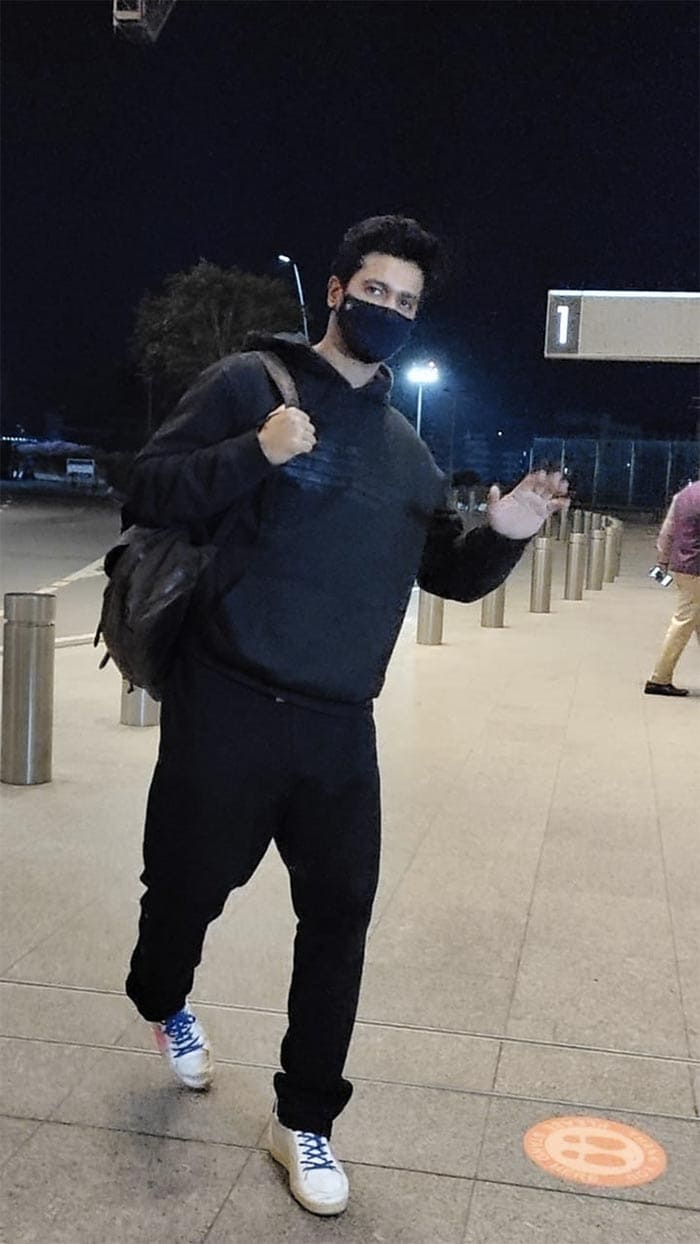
{"type": "Point", "coordinates": [625, 325]}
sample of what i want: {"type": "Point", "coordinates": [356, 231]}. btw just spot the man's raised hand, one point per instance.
{"type": "Point", "coordinates": [285, 433]}
{"type": "Point", "coordinates": [520, 514]}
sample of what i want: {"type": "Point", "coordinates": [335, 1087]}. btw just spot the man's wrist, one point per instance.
{"type": "Point", "coordinates": [500, 536]}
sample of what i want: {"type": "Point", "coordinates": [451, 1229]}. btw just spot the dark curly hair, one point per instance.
{"type": "Point", "coordinates": [390, 235]}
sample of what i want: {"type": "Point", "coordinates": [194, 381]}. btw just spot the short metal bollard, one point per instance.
{"type": "Point", "coordinates": [577, 522]}
{"type": "Point", "coordinates": [563, 532]}
{"type": "Point", "coordinates": [618, 546]}
{"type": "Point", "coordinates": [596, 561]}
{"type": "Point", "coordinates": [493, 607]}
{"type": "Point", "coordinates": [541, 581]}
{"type": "Point", "coordinates": [27, 685]}
{"type": "Point", "coordinates": [587, 522]}
{"type": "Point", "coordinates": [611, 554]}
{"type": "Point", "coordinates": [430, 615]}
{"type": "Point", "coordinates": [575, 566]}
{"type": "Point", "coordinates": [138, 709]}
{"type": "Point", "coordinates": [598, 522]}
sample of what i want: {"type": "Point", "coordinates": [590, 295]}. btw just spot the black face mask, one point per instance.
{"type": "Point", "coordinates": [371, 333]}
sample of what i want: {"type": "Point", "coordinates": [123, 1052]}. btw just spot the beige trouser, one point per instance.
{"type": "Point", "coordinates": [685, 620]}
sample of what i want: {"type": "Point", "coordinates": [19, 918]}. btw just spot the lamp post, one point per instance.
{"type": "Point", "coordinates": [286, 259]}
{"type": "Point", "coordinates": [422, 374]}
{"type": "Point", "coordinates": [453, 410]}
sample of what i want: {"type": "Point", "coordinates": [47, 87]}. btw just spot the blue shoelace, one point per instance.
{"type": "Point", "coordinates": [315, 1151]}
{"type": "Point", "coordinates": [179, 1029]}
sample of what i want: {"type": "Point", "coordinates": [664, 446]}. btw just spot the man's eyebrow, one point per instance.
{"type": "Point", "coordinates": [403, 293]}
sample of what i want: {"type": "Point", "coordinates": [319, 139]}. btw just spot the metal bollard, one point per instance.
{"type": "Point", "coordinates": [575, 566]}
{"type": "Point", "coordinates": [610, 561]}
{"type": "Point", "coordinates": [596, 560]}
{"type": "Point", "coordinates": [598, 522]}
{"type": "Point", "coordinates": [541, 582]}
{"type": "Point", "coordinates": [563, 532]}
{"type": "Point", "coordinates": [587, 522]}
{"type": "Point", "coordinates": [547, 528]}
{"type": "Point", "coordinates": [577, 522]}
{"type": "Point", "coordinates": [27, 685]}
{"type": "Point", "coordinates": [493, 607]}
{"type": "Point", "coordinates": [430, 614]}
{"type": "Point", "coordinates": [138, 709]}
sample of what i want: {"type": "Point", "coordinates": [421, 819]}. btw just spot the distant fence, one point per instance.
{"type": "Point", "coordinates": [621, 474]}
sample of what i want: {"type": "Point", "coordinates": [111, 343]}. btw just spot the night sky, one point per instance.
{"type": "Point", "coordinates": [553, 145]}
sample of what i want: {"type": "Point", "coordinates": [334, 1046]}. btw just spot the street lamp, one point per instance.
{"type": "Point", "coordinates": [300, 292]}
{"type": "Point", "coordinates": [422, 374]}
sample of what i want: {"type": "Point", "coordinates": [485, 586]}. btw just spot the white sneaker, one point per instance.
{"type": "Point", "coordinates": [184, 1043]}
{"type": "Point", "coordinates": [316, 1178]}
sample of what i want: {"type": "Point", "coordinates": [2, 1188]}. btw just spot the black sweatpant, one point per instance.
{"type": "Point", "coordinates": [237, 768]}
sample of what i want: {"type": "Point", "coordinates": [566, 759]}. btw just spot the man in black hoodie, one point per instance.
{"type": "Point", "coordinates": [267, 729]}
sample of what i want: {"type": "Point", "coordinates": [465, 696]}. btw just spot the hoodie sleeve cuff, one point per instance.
{"type": "Point", "coordinates": [246, 454]}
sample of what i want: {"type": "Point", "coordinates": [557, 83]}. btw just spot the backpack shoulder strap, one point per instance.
{"type": "Point", "coordinates": [280, 376]}
{"type": "Point", "coordinates": [283, 382]}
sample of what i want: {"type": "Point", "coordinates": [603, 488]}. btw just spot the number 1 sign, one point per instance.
{"type": "Point", "coordinates": [563, 324]}
{"type": "Point", "coordinates": [628, 325]}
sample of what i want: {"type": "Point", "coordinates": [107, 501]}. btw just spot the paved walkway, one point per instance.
{"type": "Point", "coordinates": [534, 954]}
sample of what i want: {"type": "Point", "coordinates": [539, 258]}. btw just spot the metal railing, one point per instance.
{"type": "Point", "coordinates": [622, 474]}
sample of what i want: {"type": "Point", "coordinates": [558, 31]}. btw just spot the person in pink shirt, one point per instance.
{"type": "Point", "coordinates": [678, 547]}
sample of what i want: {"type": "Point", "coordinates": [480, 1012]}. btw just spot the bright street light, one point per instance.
{"type": "Point", "coordinates": [287, 259]}
{"type": "Point", "coordinates": [421, 374]}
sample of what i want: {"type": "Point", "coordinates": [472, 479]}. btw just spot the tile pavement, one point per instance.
{"type": "Point", "coordinates": [535, 951]}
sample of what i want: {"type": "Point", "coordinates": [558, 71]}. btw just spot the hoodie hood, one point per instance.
{"type": "Point", "coordinates": [294, 350]}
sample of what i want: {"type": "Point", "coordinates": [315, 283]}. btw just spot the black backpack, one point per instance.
{"type": "Point", "coordinates": [152, 573]}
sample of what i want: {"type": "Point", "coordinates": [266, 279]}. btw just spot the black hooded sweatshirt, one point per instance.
{"type": "Point", "coordinates": [308, 592]}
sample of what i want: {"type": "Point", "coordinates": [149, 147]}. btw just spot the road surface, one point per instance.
{"type": "Point", "coordinates": [56, 544]}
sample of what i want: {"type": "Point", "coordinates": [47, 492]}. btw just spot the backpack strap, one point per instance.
{"type": "Point", "coordinates": [280, 376]}
{"type": "Point", "coordinates": [283, 382]}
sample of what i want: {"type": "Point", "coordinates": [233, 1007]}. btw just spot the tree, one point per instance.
{"type": "Point", "coordinates": [202, 315]}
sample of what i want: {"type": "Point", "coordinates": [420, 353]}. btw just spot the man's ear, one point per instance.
{"type": "Point", "coordinates": [334, 293]}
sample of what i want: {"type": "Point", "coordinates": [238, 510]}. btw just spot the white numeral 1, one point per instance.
{"type": "Point", "coordinates": [563, 313]}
